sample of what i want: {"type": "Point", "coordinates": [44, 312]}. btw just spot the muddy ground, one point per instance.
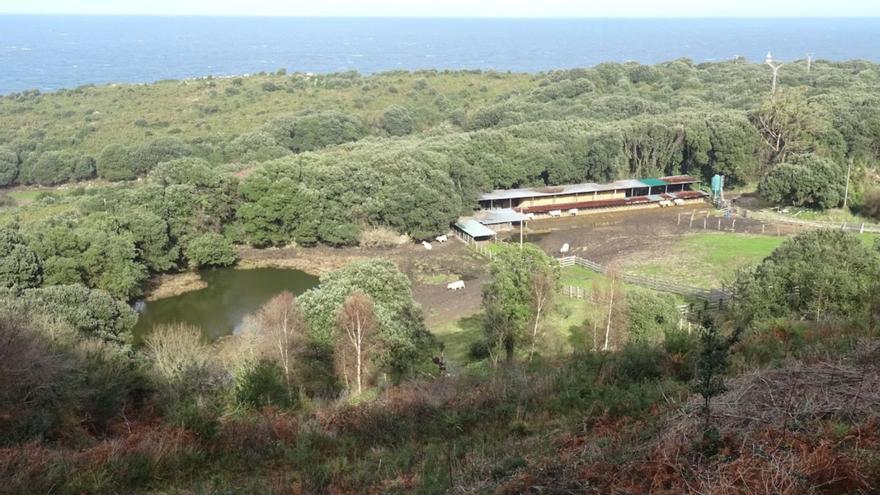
{"type": "Point", "coordinates": [623, 236]}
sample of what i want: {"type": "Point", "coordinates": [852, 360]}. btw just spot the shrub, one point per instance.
{"type": "Point", "coordinates": [807, 180]}
{"type": "Point", "coordinates": [650, 315]}
{"type": "Point", "coordinates": [397, 121]}
{"type": "Point", "coordinates": [871, 203]}
{"type": "Point", "coordinates": [382, 237]}
{"type": "Point", "coordinates": [8, 166]}
{"type": "Point", "coordinates": [210, 249]}
{"type": "Point", "coordinates": [259, 384]}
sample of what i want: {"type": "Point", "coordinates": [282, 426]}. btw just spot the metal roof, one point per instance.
{"type": "Point", "coordinates": [474, 228]}
{"type": "Point", "coordinates": [501, 215]}
{"type": "Point", "coordinates": [652, 182]}
{"type": "Point", "coordinates": [586, 187]}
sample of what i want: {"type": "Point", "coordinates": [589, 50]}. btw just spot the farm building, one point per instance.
{"type": "Point", "coordinates": [505, 209]}
{"type": "Point", "coordinates": [582, 198]}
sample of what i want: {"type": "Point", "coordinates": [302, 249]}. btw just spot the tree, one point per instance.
{"type": "Point", "coordinates": [283, 328]}
{"type": "Point", "coordinates": [8, 166]}
{"type": "Point", "coordinates": [787, 122]}
{"type": "Point", "coordinates": [56, 167]}
{"type": "Point", "coordinates": [509, 298]}
{"type": "Point", "coordinates": [91, 312]}
{"type": "Point", "coordinates": [807, 180]}
{"type": "Point", "coordinates": [544, 286]}
{"type": "Point", "coordinates": [311, 132]}
{"type": "Point", "coordinates": [20, 267]}
{"type": "Point", "coordinates": [405, 343]}
{"type": "Point", "coordinates": [815, 274]}
{"type": "Point", "coordinates": [210, 250]}
{"type": "Point", "coordinates": [357, 322]}
{"type": "Point", "coordinates": [397, 121]}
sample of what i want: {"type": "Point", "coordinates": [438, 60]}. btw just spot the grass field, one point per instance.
{"type": "Point", "coordinates": [708, 259]}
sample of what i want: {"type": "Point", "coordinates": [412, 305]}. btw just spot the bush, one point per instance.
{"type": "Point", "coordinates": [210, 250]}
{"type": "Point", "coordinates": [651, 314]}
{"type": "Point", "coordinates": [808, 180]}
{"type": "Point", "coordinates": [382, 237]}
{"type": "Point", "coordinates": [398, 121]}
{"type": "Point", "coordinates": [261, 384]}
{"type": "Point", "coordinates": [871, 203]}
{"type": "Point", "coordinates": [56, 167]}
{"type": "Point", "coordinates": [8, 166]}
{"type": "Point", "coordinates": [311, 132]}
{"type": "Point", "coordinates": [20, 267]}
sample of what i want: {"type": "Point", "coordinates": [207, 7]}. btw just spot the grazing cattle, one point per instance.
{"type": "Point", "coordinates": [427, 245]}
{"type": "Point", "coordinates": [573, 211]}
{"type": "Point", "coordinates": [678, 201]}
{"type": "Point", "coordinates": [441, 238]}
{"type": "Point", "coordinates": [564, 248]}
{"type": "Point", "coordinates": [457, 285]}
{"type": "Point", "coordinates": [555, 213]}
{"type": "Point", "coordinates": [665, 203]}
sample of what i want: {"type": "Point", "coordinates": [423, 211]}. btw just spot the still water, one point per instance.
{"type": "Point", "coordinates": [230, 295]}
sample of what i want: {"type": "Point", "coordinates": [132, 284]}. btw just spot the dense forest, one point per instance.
{"type": "Point", "coordinates": [343, 389]}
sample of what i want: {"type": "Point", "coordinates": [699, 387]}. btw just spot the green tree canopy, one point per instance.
{"type": "Point", "coordinates": [406, 343]}
{"type": "Point", "coordinates": [20, 267]}
{"type": "Point", "coordinates": [815, 274]}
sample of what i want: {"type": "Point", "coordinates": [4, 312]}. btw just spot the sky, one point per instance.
{"type": "Point", "coordinates": [456, 8]}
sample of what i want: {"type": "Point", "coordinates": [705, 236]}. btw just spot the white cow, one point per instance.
{"type": "Point", "coordinates": [564, 248]}
{"type": "Point", "coordinates": [555, 213]}
{"type": "Point", "coordinates": [573, 211]}
{"type": "Point", "coordinates": [678, 201]}
{"type": "Point", "coordinates": [457, 285]}
{"type": "Point", "coordinates": [441, 238]}
{"type": "Point", "coordinates": [427, 245]}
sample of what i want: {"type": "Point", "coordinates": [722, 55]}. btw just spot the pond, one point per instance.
{"type": "Point", "coordinates": [219, 308]}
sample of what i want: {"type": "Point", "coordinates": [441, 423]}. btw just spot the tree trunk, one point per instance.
{"type": "Point", "coordinates": [610, 308]}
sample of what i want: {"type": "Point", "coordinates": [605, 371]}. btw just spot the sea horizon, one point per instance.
{"type": "Point", "coordinates": [49, 52]}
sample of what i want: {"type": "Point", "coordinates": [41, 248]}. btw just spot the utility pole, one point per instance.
{"type": "Point", "coordinates": [846, 190]}
{"type": "Point", "coordinates": [809, 62]}
{"type": "Point", "coordinates": [775, 66]}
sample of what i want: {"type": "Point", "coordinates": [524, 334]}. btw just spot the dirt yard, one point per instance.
{"type": "Point", "coordinates": [626, 237]}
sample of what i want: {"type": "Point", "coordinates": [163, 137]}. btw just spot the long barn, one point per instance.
{"type": "Point", "coordinates": [572, 199]}
{"type": "Point", "coordinates": [504, 209]}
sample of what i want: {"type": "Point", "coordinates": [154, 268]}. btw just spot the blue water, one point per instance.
{"type": "Point", "coordinates": [52, 52]}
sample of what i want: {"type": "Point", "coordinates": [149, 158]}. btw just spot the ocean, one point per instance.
{"type": "Point", "coordinates": [53, 52]}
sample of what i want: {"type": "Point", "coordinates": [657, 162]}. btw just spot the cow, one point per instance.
{"type": "Point", "coordinates": [678, 201]}
{"type": "Point", "coordinates": [441, 238]}
{"type": "Point", "coordinates": [555, 213]}
{"type": "Point", "coordinates": [564, 248]}
{"type": "Point", "coordinates": [457, 285]}
{"type": "Point", "coordinates": [427, 245]}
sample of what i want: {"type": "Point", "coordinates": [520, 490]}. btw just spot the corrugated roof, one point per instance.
{"type": "Point", "coordinates": [502, 215]}
{"type": "Point", "coordinates": [474, 228]}
{"type": "Point", "coordinates": [679, 179]}
{"type": "Point", "coordinates": [586, 187]}
{"type": "Point", "coordinates": [653, 182]}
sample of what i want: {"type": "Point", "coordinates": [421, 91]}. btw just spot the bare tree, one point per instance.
{"type": "Point", "coordinates": [357, 321]}
{"type": "Point", "coordinates": [283, 328]}
{"type": "Point", "coordinates": [610, 305]}
{"type": "Point", "coordinates": [543, 290]}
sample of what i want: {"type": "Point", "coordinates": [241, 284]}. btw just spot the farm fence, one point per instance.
{"type": "Point", "coordinates": [715, 297]}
